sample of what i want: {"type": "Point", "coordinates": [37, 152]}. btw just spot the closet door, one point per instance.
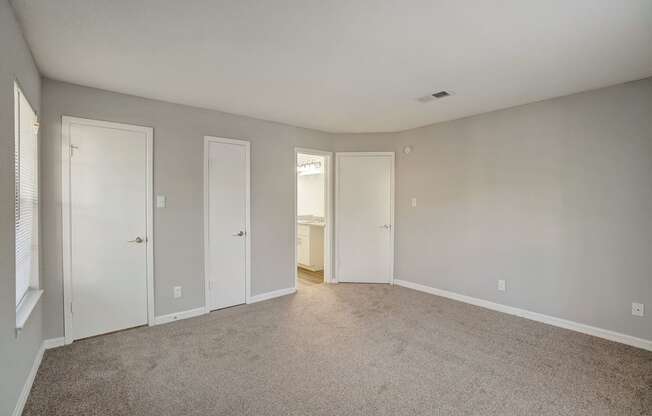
{"type": "Point", "coordinates": [227, 195]}
{"type": "Point", "coordinates": [364, 217]}
{"type": "Point", "coordinates": [108, 218]}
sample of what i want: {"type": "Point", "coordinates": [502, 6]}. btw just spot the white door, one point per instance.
{"type": "Point", "coordinates": [226, 205]}
{"type": "Point", "coordinates": [364, 217]}
{"type": "Point", "coordinates": [108, 199]}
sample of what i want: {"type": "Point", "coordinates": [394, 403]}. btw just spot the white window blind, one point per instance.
{"type": "Point", "coordinates": [26, 195]}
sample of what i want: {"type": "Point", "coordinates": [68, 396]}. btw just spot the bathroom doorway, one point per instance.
{"type": "Point", "coordinates": [313, 222]}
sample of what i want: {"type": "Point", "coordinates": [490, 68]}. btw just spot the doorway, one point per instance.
{"type": "Point", "coordinates": [227, 230]}
{"type": "Point", "coordinates": [364, 201]}
{"type": "Point", "coordinates": [313, 218]}
{"type": "Point", "coordinates": [107, 225]}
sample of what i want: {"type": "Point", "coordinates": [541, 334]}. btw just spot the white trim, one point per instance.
{"type": "Point", "coordinates": [65, 229]}
{"type": "Point", "coordinates": [534, 316]}
{"type": "Point", "coordinates": [48, 344]}
{"type": "Point", "coordinates": [177, 316]}
{"type": "Point", "coordinates": [149, 239]}
{"type": "Point", "coordinates": [24, 394]}
{"type": "Point", "coordinates": [328, 213]}
{"type": "Point", "coordinates": [272, 295]}
{"type": "Point", "coordinates": [27, 387]}
{"type": "Point", "coordinates": [66, 122]}
{"type": "Point", "coordinates": [247, 145]}
{"type": "Point", "coordinates": [26, 306]}
{"type": "Point", "coordinates": [338, 155]}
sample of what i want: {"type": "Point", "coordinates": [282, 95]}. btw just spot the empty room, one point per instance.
{"type": "Point", "coordinates": [347, 207]}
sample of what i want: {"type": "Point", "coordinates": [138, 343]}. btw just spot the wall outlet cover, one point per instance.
{"type": "Point", "coordinates": [501, 285]}
{"type": "Point", "coordinates": [177, 292]}
{"type": "Point", "coordinates": [638, 309]}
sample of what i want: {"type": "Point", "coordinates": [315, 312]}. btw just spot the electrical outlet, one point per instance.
{"type": "Point", "coordinates": [177, 292]}
{"type": "Point", "coordinates": [501, 285]}
{"type": "Point", "coordinates": [638, 309]}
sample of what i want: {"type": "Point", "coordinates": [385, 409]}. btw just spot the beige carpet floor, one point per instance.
{"type": "Point", "coordinates": [345, 350]}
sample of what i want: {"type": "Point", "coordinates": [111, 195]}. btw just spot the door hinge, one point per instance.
{"type": "Point", "coordinates": [70, 307]}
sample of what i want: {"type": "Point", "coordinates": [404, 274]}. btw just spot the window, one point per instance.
{"type": "Point", "coordinates": [26, 206]}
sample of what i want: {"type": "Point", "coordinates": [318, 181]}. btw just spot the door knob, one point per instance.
{"type": "Point", "coordinates": [137, 240]}
{"type": "Point", "coordinates": [239, 234]}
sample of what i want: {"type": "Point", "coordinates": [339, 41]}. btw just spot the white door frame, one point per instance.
{"type": "Point", "coordinates": [328, 216]}
{"type": "Point", "coordinates": [338, 155]}
{"type": "Point", "coordinates": [247, 230]}
{"type": "Point", "coordinates": [66, 122]}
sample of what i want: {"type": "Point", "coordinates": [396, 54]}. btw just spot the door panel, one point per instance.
{"type": "Point", "coordinates": [108, 201]}
{"type": "Point", "coordinates": [226, 251]}
{"type": "Point", "coordinates": [364, 218]}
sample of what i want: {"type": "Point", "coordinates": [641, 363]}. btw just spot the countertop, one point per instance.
{"type": "Point", "coordinates": [313, 223]}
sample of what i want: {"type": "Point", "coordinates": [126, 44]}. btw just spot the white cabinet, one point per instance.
{"type": "Point", "coordinates": [310, 240]}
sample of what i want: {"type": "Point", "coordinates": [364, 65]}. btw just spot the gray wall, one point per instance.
{"type": "Point", "coordinates": [555, 197]}
{"type": "Point", "coordinates": [178, 173]}
{"type": "Point", "coordinates": [16, 354]}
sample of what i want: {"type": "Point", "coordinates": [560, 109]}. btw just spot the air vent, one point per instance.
{"type": "Point", "coordinates": [436, 96]}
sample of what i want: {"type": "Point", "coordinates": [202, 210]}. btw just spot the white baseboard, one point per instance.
{"type": "Point", "coordinates": [54, 343]}
{"type": "Point", "coordinates": [27, 387]}
{"type": "Point", "coordinates": [272, 295]}
{"type": "Point", "coordinates": [523, 313]}
{"type": "Point", "coordinates": [24, 394]}
{"type": "Point", "coordinates": [177, 316]}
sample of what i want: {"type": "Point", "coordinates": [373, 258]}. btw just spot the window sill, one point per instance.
{"type": "Point", "coordinates": [25, 308]}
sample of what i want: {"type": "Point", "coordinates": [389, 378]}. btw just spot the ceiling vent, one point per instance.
{"type": "Point", "coordinates": [435, 96]}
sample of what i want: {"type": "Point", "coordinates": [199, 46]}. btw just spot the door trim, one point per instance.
{"type": "Point", "coordinates": [329, 277]}
{"type": "Point", "coordinates": [338, 156]}
{"type": "Point", "coordinates": [66, 122]}
{"type": "Point", "coordinates": [247, 145]}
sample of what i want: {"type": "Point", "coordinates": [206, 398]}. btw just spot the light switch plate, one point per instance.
{"type": "Point", "coordinates": [414, 202]}
{"type": "Point", "coordinates": [161, 201]}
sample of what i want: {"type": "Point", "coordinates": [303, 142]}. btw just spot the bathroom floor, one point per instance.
{"type": "Point", "coordinates": [310, 277]}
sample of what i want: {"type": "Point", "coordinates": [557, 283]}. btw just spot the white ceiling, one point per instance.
{"type": "Point", "coordinates": [342, 65]}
